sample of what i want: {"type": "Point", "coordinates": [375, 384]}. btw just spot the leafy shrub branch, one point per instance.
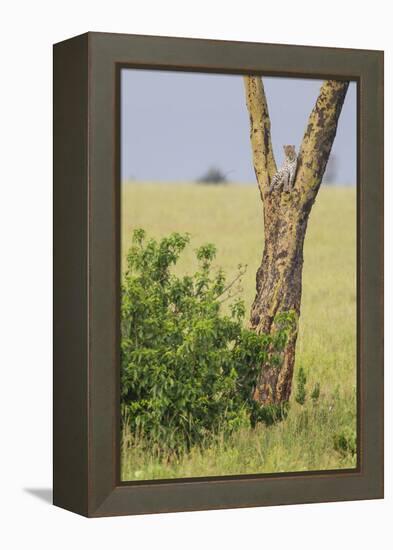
{"type": "Point", "coordinates": [187, 368]}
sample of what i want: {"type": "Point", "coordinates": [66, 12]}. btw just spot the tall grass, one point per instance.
{"type": "Point", "coordinates": [231, 217]}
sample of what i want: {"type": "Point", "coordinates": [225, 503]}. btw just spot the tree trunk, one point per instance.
{"type": "Point", "coordinates": [279, 277]}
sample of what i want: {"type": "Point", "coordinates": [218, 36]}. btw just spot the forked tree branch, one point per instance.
{"type": "Point", "coordinates": [317, 141]}
{"type": "Point", "coordinates": [286, 211]}
{"type": "Point", "coordinates": [318, 138]}
{"type": "Point", "coordinates": [262, 150]}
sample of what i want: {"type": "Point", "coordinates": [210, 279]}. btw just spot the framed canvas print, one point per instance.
{"type": "Point", "coordinates": [218, 274]}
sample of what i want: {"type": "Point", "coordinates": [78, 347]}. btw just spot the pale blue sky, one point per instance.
{"type": "Point", "coordinates": [175, 125]}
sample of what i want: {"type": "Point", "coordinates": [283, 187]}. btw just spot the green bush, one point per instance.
{"type": "Point", "coordinates": [316, 392]}
{"type": "Point", "coordinates": [187, 369]}
{"type": "Point", "coordinates": [301, 392]}
{"type": "Point", "coordinates": [345, 442]}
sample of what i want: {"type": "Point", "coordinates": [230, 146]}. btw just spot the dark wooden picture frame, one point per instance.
{"type": "Point", "coordinates": [87, 273]}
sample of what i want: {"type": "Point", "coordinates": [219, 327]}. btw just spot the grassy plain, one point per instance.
{"type": "Point", "coordinates": [230, 216]}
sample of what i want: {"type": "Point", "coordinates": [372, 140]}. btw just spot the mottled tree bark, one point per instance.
{"type": "Point", "coordinates": [279, 277]}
